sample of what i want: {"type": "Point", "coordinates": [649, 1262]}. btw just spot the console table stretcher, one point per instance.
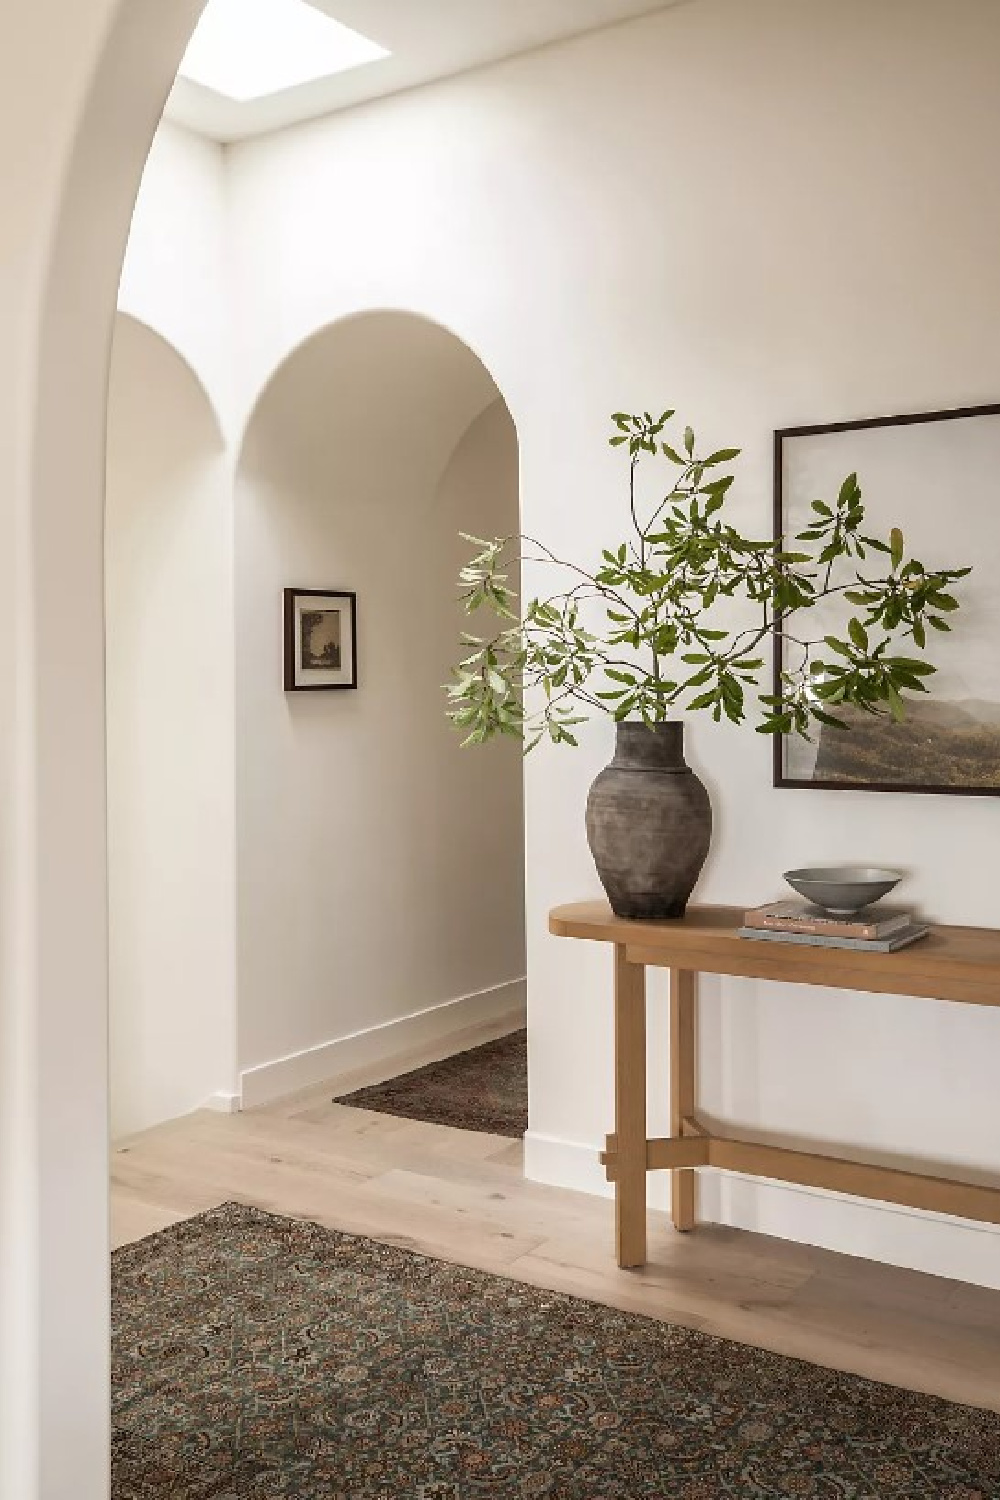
{"type": "Point", "coordinates": [960, 964]}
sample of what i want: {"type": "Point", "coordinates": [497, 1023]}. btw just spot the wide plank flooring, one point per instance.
{"type": "Point", "coordinates": [462, 1197]}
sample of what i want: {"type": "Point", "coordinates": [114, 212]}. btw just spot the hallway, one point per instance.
{"type": "Point", "coordinates": [462, 1197]}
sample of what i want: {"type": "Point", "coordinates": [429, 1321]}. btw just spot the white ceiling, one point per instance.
{"type": "Point", "coordinates": [428, 39]}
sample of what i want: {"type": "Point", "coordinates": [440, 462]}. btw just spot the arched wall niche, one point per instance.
{"type": "Point", "coordinates": [381, 870]}
{"type": "Point", "coordinates": [168, 550]}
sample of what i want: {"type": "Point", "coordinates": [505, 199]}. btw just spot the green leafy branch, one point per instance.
{"type": "Point", "coordinates": [641, 635]}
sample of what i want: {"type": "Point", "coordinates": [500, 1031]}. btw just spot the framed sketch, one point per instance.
{"type": "Point", "coordinates": [935, 475]}
{"type": "Point", "coordinates": [321, 640]}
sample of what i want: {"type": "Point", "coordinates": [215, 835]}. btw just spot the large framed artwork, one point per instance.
{"type": "Point", "coordinates": [321, 640]}
{"type": "Point", "coordinates": [935, 475]}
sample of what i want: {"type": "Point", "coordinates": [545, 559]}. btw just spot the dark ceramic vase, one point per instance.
{"type": "Point", "coordinates": [649, 823]}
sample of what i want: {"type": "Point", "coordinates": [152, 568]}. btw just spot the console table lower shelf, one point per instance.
{"type": "Point", "coordinates": [953, 963]}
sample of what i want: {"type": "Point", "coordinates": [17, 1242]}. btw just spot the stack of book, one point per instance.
{"type": "Point", "coordinates": [874, 929]}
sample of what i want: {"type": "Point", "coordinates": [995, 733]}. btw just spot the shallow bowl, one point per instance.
{"type": "Point", "coordinates": [843, 888]}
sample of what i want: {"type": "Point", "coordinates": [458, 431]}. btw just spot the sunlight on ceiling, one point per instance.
{"type": "Point", "coordinates": [248, 49]}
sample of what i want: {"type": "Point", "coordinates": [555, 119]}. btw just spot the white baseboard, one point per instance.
{"type": "Point", "coordinates": [504, 1006]}
{"type": "Point", "coordinates": [934, 1243]}
{"type": "Point", "coordinates": [223, 1104]}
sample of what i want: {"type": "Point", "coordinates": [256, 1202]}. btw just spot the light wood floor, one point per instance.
{"type": "Point", "coordinates": [462, 1197]}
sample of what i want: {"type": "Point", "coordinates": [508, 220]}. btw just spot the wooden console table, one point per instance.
{"type": "Point", "coordinates": [952, 963]}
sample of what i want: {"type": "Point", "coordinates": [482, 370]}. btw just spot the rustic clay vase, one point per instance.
{"type": "Point", "coordinates": [649, 823]}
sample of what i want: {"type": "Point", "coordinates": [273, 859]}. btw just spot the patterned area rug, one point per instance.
{"type": "Point", "coordinates": [485, 1089]}
{"type": "Point", "coordinates": [257, 1358]}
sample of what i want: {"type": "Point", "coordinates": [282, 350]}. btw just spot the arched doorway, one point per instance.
{"type": "Point", "coordinates": [100, 93]}
{"type": "Point", "coordinates": [168, 543]}
{"type": "Point", "coordinates": [380, 867]}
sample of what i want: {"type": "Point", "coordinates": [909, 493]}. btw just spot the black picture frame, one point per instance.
{"type": "Point", "coordinates": [339, 672]}
{"type": "Point", "coordinates": [782, 437]}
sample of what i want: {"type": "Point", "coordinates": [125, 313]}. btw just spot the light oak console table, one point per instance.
{"type": "Point", "coordinates": [953, 963]}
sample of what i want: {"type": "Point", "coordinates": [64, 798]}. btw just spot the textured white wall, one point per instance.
{"type": "Point", "coordinates": [169, 548]}
{"type": "Point", "coordinates": [765, 215]}
{"type": "Point", "coordinates": [380, 867]}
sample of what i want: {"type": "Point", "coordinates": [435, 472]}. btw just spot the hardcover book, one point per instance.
{"type": "Point", "coordinates": [911, 933]}
{"type": "Point", "coordinates": [799, 916]}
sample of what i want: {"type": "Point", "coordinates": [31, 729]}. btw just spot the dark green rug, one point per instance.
{"type": "Point", "coordinates": [257, 1358]}
{"type": "Point", "coordinates": [483, 1089]}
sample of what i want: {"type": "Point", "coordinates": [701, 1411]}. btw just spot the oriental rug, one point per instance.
{"type": "Point", "coordinates": [261, 1358]}
{"type": "Point", "coordinates": [483, 1089]}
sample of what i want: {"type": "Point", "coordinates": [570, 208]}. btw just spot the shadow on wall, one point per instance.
{"type": "Point", "coordinates": [169, 696]}
{"type": "Point", "coordinates": [380, 866]}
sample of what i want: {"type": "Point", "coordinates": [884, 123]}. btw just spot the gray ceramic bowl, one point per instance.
{"type": "Point", "coordinates": [843, 888]}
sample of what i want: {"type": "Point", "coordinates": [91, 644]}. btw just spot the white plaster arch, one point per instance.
{"type": "Point", "coordinates": [341, 482]}
{"type": "Point", "coordinates": [92, 105]}
{"type": "Point", "coordinates": [126, 317]}
{"type": "Point", "coordinates": [467, 354]}
{"type": "Point", "coordinates": [170, 732]}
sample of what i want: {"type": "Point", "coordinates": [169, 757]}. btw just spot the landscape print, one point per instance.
{"type": "Point", "coordinates": [940, 744]}
{"type": "Point", "coordinates": [936, 476]}
{"type": "Point", "coordinates": [321, 637]}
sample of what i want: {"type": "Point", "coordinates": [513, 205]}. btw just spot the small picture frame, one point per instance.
{"type": "Point", "coordinates": [321, 640]}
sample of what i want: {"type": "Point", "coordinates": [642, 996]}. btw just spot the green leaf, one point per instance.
{"type": "Point", "coordinates": [896, 545]}
{"type": "Point", "coordinates": [912, 664]}
{"type": "Point", "coordinates": [689, 441]}
{"type": "Point", "coordinates": [858, 634]}
{"type": "Point", "coordinates": [849, 490]}
{"type": "Point", "coordinates": [673, 455]}
{"type": "Point", "coordinates": [825, 718]}
{"type": "Point", "coordinates": [723, 456]}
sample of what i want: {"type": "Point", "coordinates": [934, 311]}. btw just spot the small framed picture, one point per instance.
{"type": "Point", "coordinates": [321, 640]}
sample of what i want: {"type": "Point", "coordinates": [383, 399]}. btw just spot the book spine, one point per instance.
{"type": "Point", "coordinates": [809, 928]}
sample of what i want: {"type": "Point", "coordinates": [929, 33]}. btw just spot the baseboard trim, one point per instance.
{"type": "Point", "coordinates": [934, 1243]}
{"type": "Point", "coordinates": [223, 1104]}
{"type": "Point", "coordinates": [504, 1006]}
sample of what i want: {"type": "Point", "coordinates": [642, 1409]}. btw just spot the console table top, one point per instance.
{"type": "Point", "coordinates": [951, 963]}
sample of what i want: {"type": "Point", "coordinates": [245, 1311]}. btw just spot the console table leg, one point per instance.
{"type": "Point", "coordinates": [630, 1110]}
{"type": "Point", "coordinates": [683, 1072]}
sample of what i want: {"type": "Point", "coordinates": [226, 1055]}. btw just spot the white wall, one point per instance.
{"type": "Point", "coordinates": [175, 277]}
{"type": "Point", "coordinates": [169, 532]}
{"type": "Point", "coordinates": [380, 867]}
{"type": "Point", "coordinates": [765, 214]}
{"type": "Point", "coordinates": [169, 541]}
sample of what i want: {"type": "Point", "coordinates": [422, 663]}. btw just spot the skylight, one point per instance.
{"type": "Point", "coordinates": [246, 49]}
